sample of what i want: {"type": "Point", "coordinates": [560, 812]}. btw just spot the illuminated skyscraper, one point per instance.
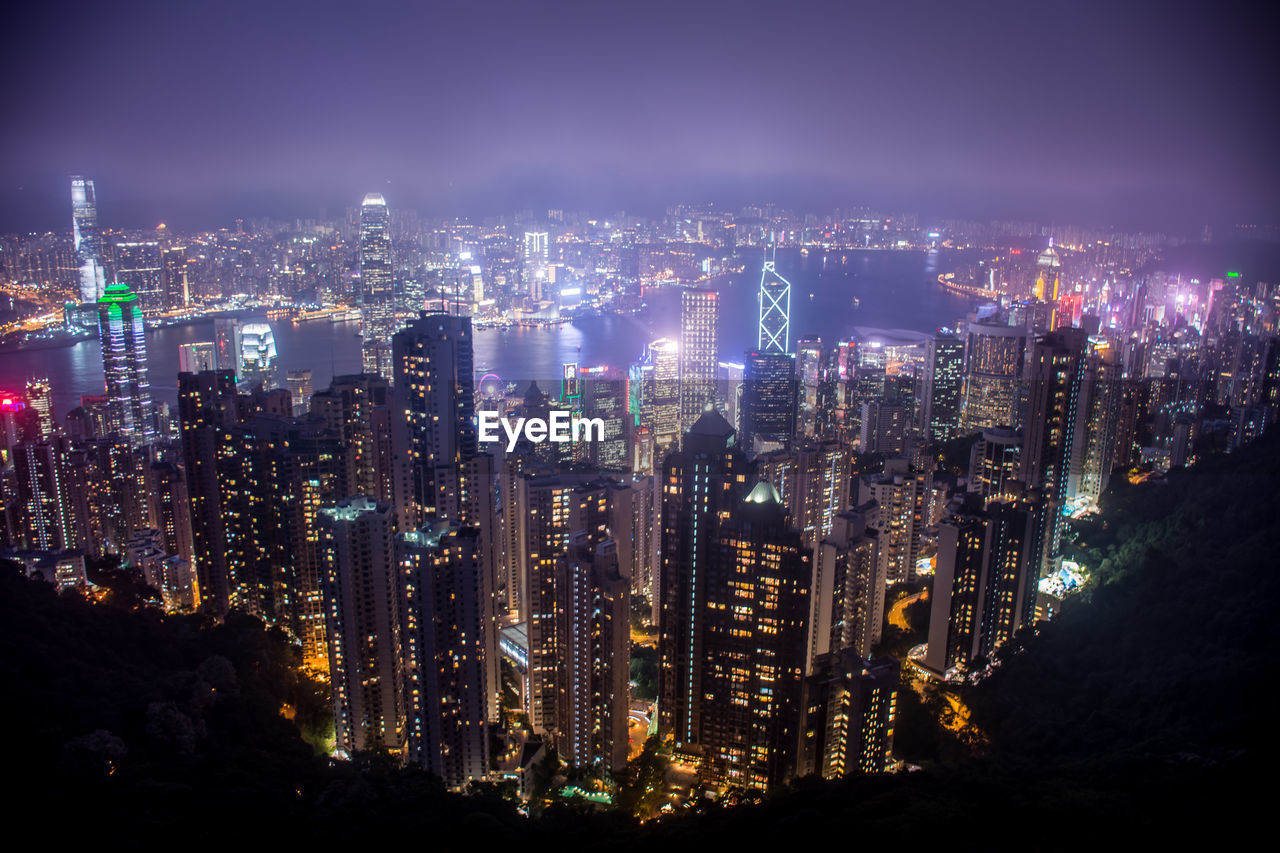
{"type": "Point", "coordinates": [754, 644]}
{"type": "Point", "coordinates": [658, 406]}
{"type": "Point", "coordinates": [39, 395]}
{"type": "Point", "coordinates": [995, 363]}
{"type": "Point", "coordinates": [699, 483]}
{"type": "Point", "coordinates": [768, 415]}
{"type": "Point", "coordinates": [88, 243]}
{"type": "Point", "coordinates": [377, 296]}
{"type": "Point", "coordinates": [851, 709]}
{"type": "Point", "coordinates": [444, 625]}
{"type": "Point", "coordinates": [595, 654]}
{"type": "Point", "coordinates": [1057, 402]}
{"type": "Point", "coordinates": [258, 355]}
{"type": "Point", "coordinates": [699, 320]}
{"type": "Point", "coordinates": [774, 333]}
{"type": "Point", "coordinates": [362, 603]}
{"type": "Point", "coordinates": [124, 365]}
{"type": "Point", "coordinates": [943, 383]}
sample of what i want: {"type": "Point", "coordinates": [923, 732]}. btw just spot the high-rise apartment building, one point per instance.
{"type": "Point", "coordinates": [444, 625]}
{"type": "Point", "coordinates": [754, 645]}
{"type": "Point", "coordinates": [362, 604]}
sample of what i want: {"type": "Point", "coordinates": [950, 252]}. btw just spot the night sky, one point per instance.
{"type": "Point", "coordinates": [1156, 115]}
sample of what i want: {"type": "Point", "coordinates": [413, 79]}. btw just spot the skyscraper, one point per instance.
{"type": "Point", "coordinates": [440, 473]}
{"type": "Point", "coordinates": [124, 365]}
{"type": "Point", "coordinates": [699, 320]}
{"type": "Point", "coordinates": [377, 296]}
{"type": "Point", "coordinates": [88, 242]}
{"type": "Point", "coordinates": [434, 378]}
{"type": "Point", "coordinates": [445, 621]}
{"type": "Point", "coordinates": [39, 394]}
{"type": "Point", "coordinates": [595, 653]}
{"type": "Point", "coordinates": [943, 384]}
{"type": "Point", "coordinates": [754, 645]}
{"type": "Point", "coordinates": [701, 481]}
{"type": "Point", "coordinates": [851, 709]}
{"type": "Point", "coordinates": [1055, 392]}
{"type": "Point", "coordinates": [994, 367]}
{"type": "Point", "coordinates": [656, 385]}
{"type": "Point", "coordinates": [985, 584]}
{"type": "Point", "coordinates": [361, 603]}
{"type": "Point", "coordinates": [774, 332]}
{"type": "Point", "coordinates": [768, 416]}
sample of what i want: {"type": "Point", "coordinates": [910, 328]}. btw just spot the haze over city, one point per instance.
{"type": "Point", "coordinates": [196, 113]}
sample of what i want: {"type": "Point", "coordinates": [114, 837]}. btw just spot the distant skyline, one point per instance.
{"type": "Point", "coordinates": [1138, 115]}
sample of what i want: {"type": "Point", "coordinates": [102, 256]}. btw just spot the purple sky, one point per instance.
{"type": "Point", "coordinates": [194, 112]}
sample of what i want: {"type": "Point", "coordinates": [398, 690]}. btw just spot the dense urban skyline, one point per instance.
{"type": "Point", "coordinates": [1130, 114]}
{"type": "Point", "coordinates": [543, 423]}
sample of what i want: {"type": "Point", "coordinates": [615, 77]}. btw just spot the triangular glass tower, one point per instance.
{"type": "Point", "coordinates": [775, 309]}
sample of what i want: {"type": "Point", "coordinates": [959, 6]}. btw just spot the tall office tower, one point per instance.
{"type": "Point", "coordinates": [124, 365]}
{"type": "Point", "coordinates": [768, 416]}
{"type": "Point", "coordinates": [169, 509]}
{"type": "Point", "coordinates": [88, 242]}
{"type": "Point", "coordinates": [137, 263]}
{"type": "Point", "coordinates": [39, 394]}
{"type": "Point", "coordinates": [985, 583]}
{"type": "Point", "coordinates": [901, 498]}
{"type": "Point", "coordinates": [377, 291]}
{"type": "Point", "coordinates": [595, 652]}
{"type": "Point", "coordinates": [206, 414]}
{"type": "Point", "coordinates": [604, 396]}
{"type": "Point", "coordinates": [258, 356]}
{"type": "Point", "coordinates": [444, 621]}
{"type": "Point", "coordinates": [995, 464]}
{"type": "Point", "coordinates": [994, 366]}
{"type": "Point", "coordinates": [1056, 379]}
{"type": "Point", "coordinates": [813, 481]}
{"type": "Point", "coordinates": [361, 602]}
{"type": "Point", "coordinates": [943, 384]}
{"type": "Point", "coordinates": [357, 409]}
{"type": "Point", "coordinates": [700, 484]}
{"type": "Point", "coordinates": [848, 588]}
{"type": "Point", "coordinates": [175, 284]}
{"type": "Point", "coordinates": [754, 645]}
{"type": "Point", "coordinates": [298, 384]}
{"type": "Point", "coordinates": [658, 408]}
{"type": "Point", "coordinates": [44, 518]}
{"type": "Point", "coordinates": [1096, 430]}
{"type": "Point", "coordinates": [774, 330]}
{"type": "Point", "coordinates": [699, 348]}
{"type": "Point", "coordinates": [545, 505]}
{"type": "Point", "coordinates": [851, 707]}
{"type": "Point", "coordinates": [884, 427]}
{"type": "Point", "coordinates": [197, 357]}
{"type": "Point", "coordinates": [809, 374]}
